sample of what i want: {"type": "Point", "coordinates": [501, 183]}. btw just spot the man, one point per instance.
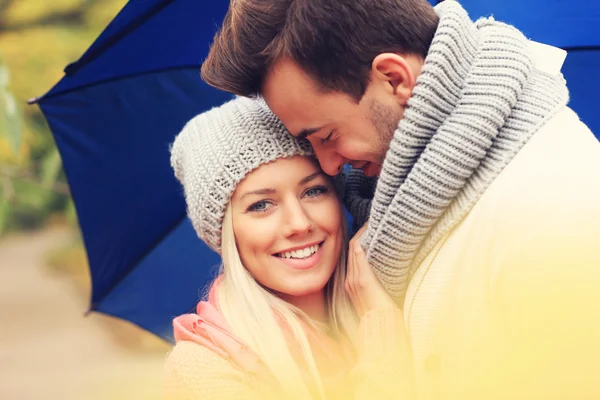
{"type": "Point", "coordinates": [485, 219]}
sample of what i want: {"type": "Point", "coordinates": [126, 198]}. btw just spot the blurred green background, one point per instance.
{"type": "Point", "coordinates": [44, 281]}
{"type": "Point", "coordinates": [38, 38]}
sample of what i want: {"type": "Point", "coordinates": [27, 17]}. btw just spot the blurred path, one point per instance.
{"type": "Point", "coordinates": [48, 349]}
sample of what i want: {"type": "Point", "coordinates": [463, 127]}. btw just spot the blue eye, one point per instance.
{"type": "Point", "coordinates": [316, 191]}
{"type": "Point", "coordinates": [260, 206]}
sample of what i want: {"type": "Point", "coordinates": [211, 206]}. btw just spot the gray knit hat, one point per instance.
{"type": "Point", "coordinates": [217, 149]}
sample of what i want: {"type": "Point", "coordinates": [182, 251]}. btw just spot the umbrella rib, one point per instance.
{"type": "Point", "coordinates": [73, 68]}
{"type": "Point", "coordinates": [111, 79]}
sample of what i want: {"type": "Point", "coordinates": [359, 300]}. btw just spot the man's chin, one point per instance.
{"type": "Point", "coordinates": [371, 169]}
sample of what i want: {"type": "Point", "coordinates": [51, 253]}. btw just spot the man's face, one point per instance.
{"type": "Point", "coordinates": [340, 130]}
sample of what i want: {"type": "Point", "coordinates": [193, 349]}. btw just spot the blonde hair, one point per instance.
{"type": "Point", "coordinates": [254, 313]}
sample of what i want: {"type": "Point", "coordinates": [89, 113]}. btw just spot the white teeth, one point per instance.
{"type": "Point", "coordinates": [302, 253]}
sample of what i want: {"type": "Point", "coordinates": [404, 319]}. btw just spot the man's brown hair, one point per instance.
{"type": "Point", "coordinates": [333, 41]}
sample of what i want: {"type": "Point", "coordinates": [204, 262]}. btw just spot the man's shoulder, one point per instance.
{"type": "Point", "coordinates": [558, 170]}
{"type": "Point", "coordinates": [567, 121]}
{"type": "Point", "coordinates": [565, 135]}
{"type": "Point", "coordinates": [546, 201]}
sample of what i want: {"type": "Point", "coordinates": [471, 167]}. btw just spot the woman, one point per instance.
{"type": "Point", "coordinates": [285, 318]}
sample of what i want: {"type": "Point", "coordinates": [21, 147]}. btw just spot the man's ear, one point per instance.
{"type": "Point", "coordinates": [397, 72]}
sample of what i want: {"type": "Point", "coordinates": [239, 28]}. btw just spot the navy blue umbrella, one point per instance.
{"type": "Point", "coordinates": [573, 26]}
{"type": "Point", "coordinates": [113, 116]}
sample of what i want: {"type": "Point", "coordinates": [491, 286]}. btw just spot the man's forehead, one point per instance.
{"type": "Point", "coordinates": [295, 99]}
{"type": "Point", "coordinates": [287, 83]}
{"type": "Point", "coordinates": [300, 118]}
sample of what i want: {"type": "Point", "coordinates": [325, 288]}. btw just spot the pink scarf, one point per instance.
{"type": "Point", "coordinates": [194, 327]}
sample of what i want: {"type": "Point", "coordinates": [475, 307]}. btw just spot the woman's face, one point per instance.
{"type": "Point", "coordinates": [287, 222]}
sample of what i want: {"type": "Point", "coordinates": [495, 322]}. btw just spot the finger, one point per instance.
{"type": "Point", "coordinates": [252, 361]}
{"type": "Point", "coordinates": [365, 270]}
{"type": "Point", "coordinates": [241, 354]}
{"type": "Point", "coordinates": [363, 229]}
{"type": "Point", "coordinates": [350, 274]}
{"type": "Point", "coordinates": [374, 291]}
{"type": "Point", "coordinates": [359, 290]}
{"type": "Point", "coordinates": [358, 278]}
{"type": "Point", "coordinates": [355, 295]}
{"type": "Point", "coordinates": [359, 233]}
{"type": "Point", "coordinates": [349, 270]}
{"type": "Point", "coordinates": [366, 275]}
{"type": "Point", "coordinates": [360, 259]}
{"type": "Point", "coordinates": [359, 255]}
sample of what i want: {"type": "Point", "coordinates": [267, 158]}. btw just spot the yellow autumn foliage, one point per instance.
{"type": "Point", "coordinates": [36, 52]}
{"type": "Point", "coordinates": [38, 38]}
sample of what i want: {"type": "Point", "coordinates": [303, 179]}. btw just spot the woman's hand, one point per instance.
{"type": "Point", "coordinates": [240, 354]}
{"type": "Point", "coordinates": [363, 287]}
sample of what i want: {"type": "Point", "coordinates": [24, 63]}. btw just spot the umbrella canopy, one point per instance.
{"type": "Point", "coordinates": [573, 26]}
{"type": "Point", "coordinates": [113, 116]}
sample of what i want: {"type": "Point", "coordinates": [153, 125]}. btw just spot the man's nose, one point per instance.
{"type": "Point", "coordinates": [331, 162]}
{"type": "Point", "coordinates": [297, 220]}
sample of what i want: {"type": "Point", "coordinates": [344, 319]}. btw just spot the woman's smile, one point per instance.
{"type": "Point", "coordinates": [304, 258]}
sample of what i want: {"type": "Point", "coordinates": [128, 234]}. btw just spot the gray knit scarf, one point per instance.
{"type": "Point", "coordinates": [476, 102]}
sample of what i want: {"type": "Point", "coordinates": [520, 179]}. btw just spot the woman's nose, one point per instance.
{"type": "Point", "coordinates": [298, 221]}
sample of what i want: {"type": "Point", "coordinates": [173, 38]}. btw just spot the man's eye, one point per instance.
{"type": "Point", "coordinates": [326, 139]}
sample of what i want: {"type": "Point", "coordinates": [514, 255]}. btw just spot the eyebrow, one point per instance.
{"type": "Point", "coordinates": [264, 191]}
{"type": "Point", "coordinates": [304, 133]}
{"type": "Point", "coordinates": [259, 192]}
{"type": "Point", "coordinates": [310, 178]}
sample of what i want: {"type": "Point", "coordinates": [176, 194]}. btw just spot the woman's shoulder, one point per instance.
{"type": "Point", "coordinates": [193, 371]}
{"type": "Point", "coordinates": [194, 357]}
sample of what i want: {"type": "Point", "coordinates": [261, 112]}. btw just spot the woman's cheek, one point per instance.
{"type": "Point", "coordinates": [263, 232]}
{"type": "Point", "coordinates": [331, 215]}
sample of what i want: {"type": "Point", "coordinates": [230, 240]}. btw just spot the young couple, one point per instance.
{"type": "Point", "coordinates": [476, 274]}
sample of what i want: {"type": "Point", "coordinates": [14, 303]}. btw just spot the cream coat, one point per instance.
{"type": "Point", "coordinates": [507, 304]}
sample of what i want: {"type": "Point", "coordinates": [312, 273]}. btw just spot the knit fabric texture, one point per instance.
{"type": "Point", "coordinates": [217, 149]}
{"type": "Point", "coordinates": [476, 102]}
